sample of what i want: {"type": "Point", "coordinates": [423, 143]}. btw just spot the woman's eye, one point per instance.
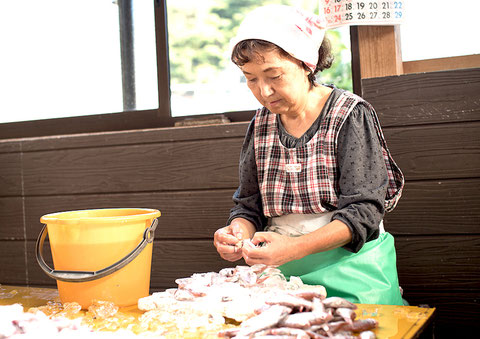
{"type": "Point", "coordinates": [276, 77]}
{"type": "Point", "coordinates": [252, 80]}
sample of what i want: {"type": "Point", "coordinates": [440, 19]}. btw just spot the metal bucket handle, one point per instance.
{"type": "Point", "coordinates": [82, 276]}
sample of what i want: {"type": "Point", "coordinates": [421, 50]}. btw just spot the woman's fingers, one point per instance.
{"type": "Point", "coordinates": [225, 242]}
{"type": "Point", "coordinates": [270, 249]}
{"type": "Point", "coordinates": [224, 236]}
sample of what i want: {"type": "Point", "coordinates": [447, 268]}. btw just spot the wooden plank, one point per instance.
{"type": "Point", "coordinates": [456, 313]}
{"type": "Point", "coordinates": [12, 262]}
{"type": "Point", "coordinates": [442, 64]}
{"type": "Point", "coordinates": [11, 218]}
{"type": "Point", "coordinates": [189, 165]}
{"type": "Point", "coordinates": [379, 51]}
{"type": "Point", "coordinates": [10, 174]}
{"type": "Point", "coordinates": [179, 259]}
{"type": "Point", "coordinates": [132, 137]}
{"type": "Point", "coordinates": [9, 146]}
{"type": "Point", "coordinates": [191, 214]}
{"type": "Point", "coordinates": [439, 151]}
{"type": "Point", "coordinates": [437, 97]}
{"type": "Point", "coordinates": [437, 207]}
{"type": "Point", "coordinates": [439, 263]}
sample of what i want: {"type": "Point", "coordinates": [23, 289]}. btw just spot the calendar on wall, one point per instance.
{"type": "Point", "coordinates": [367, 12]}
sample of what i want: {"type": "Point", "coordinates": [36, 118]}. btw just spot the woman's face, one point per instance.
{"type": "Point", "coordinates": [279, 83]}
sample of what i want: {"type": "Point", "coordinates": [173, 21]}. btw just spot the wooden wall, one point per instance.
{"type": "Point", "coordinates": [189, 174]}
{"type": "Point", "coordinates": [432, 125]}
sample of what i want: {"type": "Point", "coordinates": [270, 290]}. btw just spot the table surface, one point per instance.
{"type": "Point", "coordinates": [394, 321]}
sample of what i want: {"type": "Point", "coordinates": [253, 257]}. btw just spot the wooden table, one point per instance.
{"type": "Point", "coordinates": [395, 322]}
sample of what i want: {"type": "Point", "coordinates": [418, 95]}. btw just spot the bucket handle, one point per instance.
{"type": "Point", "coordinates": [82, 276]}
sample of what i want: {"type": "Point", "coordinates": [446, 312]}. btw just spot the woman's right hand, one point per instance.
{"type": "Point", "coordinates": [227, 239]}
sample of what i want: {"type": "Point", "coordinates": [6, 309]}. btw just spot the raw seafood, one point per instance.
{"type": "Point", "coordinates": [17, 324]}
{"type": "Point", "coordinates": [234, 293]}
{"type": "Point", "coordinates": [304, 319]}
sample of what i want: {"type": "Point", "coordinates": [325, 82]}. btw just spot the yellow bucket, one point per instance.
{"type": "Point", "coordinates": [100, 254]}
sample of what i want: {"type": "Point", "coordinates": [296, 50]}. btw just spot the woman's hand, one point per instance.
{"type": "Point", "coordinates": [276, 249]}
{"type": "Point", "coordinates": [227, 239]}
{"type": "Point", "coordinates": [279, 249]}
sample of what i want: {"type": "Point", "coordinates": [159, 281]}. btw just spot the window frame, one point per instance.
{"type": "Point", "coordinates": [126, 120]}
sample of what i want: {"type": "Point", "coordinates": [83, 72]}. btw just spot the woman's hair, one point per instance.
{"type": "Point", "coordinates": [246, 50]}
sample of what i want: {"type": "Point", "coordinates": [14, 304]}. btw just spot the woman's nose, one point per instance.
{"type": "Point", "coordinates": [266, 89]}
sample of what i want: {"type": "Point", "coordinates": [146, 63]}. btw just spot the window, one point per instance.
{"type": "Point", "coordinates": [202, 78]}
{"type": "Point", "coordinates": [64, 58]}
{"type": "Point", "coordinates": [104, 65]}
{"type": "Point", "coordinates": [440, 28]}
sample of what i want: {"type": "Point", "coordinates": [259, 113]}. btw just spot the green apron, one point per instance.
{"type": "Point", "coordinates": [366, 277]}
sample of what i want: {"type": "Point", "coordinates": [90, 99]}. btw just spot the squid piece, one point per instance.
{"type": "Point", "coordinates": [183, 295]}
{"type": "Point", "coordinates": [229, 333]}
{"type": "Point", "coordinates": [334, 326]}
{"type": "Point", "coordinates": [308, 295]}
{"type": "Point", "coordinates": [346, 314]}
{"type": "Point", "coordinates": [291, 301]}
{"type": "Point", "coordinates": [302, 320]}
{"type": "Point", "coordinates": [336, 302]}
{"type": "Point", "coordinates": [362, 325]}
{"type": "Point", "coordinates": [264, 320]}
{"type": "Point", "coordinates": [284, 331]}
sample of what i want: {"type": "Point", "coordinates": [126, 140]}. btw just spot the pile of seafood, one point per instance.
{"type": "Point", "coordinates": [304, 315]}
{"type": "Point", "coordinates": [238, 302]}
{"type": "Point", "coordinates": [233, 293]}
{"type": "Point", "coordinates": [15, 323]}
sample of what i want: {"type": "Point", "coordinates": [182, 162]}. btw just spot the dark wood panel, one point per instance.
{"type": "Point", "coordinates": [11, 218]}
{"type": "Point", "coordinates": [10, 174]}
{"type": "Point", "coordinates": [439, 263]}
{"type": "Point", "coordinates": [437, 207]}
{"type": "Point", "coordinates": [9, 146]}
{"type": "Point", "coordinates": [12, 262]}
{"type": "Point", "coordinates": [456, 313]}
{"type": "Point", "coordinates": [194, 214]}
{"type": "Point", "coordinates": [131, 137]}
{"type": "Point", "coordinates": [425, 98]}
{"type": "Point", "coordinates": [170, 166]}
{"type": "Point", "coordinates": [178, 259]}
{"type": "Point", "coordinates": [436, 151]}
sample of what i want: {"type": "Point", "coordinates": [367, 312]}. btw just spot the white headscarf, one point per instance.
{"type": "Point", "coordinates": [297, 32]}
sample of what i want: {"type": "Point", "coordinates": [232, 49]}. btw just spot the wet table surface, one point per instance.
{"type": "Point", "coordinates": [394, 321]}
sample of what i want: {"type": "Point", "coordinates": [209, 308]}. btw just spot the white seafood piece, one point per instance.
{"type": "Point", "coordinates": [336, 302]}
{"type": "Point", "coordinates": [291, 301]}
{"type": "Point", "coordinates": [227, 272]}
{"type": "Point", "coordinates": [259, 268]}
{"type": "Point", "coordinates": [346, 313]}
{"type": "Point", "coordinates": [157, 300]}
{"type": "Point", "coordinates": [184, 295]}
{"type": "Point", "coordinates": [269, 318]}
{"type": "Point", "coordinates": [298, 320]}
{"type": "Point", "coordinates": [367, 335]}
{"type": "Point", "coordinates": [283, 332]}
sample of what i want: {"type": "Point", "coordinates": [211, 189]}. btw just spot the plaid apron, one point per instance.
{"type": "Point", "coordinates": [304, 180]}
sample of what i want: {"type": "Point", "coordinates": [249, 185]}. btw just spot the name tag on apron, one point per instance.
{"type": "Point", "coordinates": [294, 168]}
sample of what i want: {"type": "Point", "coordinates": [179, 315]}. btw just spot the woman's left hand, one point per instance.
{"type": "Point", "coordinates": [276, 249]}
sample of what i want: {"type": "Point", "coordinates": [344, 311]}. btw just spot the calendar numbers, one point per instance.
{"type": "Point", "coordinates": [366, 12]}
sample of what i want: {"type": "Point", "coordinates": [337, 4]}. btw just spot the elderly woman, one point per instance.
{"type": "Point", "coordinates": [316, 176]}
